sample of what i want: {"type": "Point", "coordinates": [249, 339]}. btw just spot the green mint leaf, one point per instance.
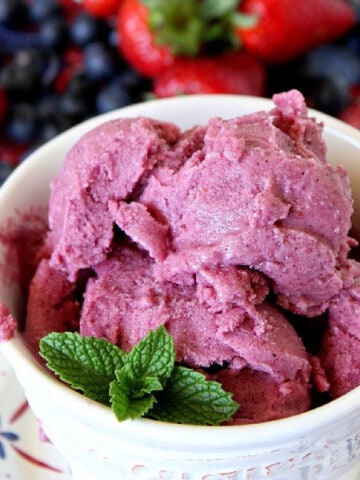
{"type": "Point", "coordinates": [144, 382]}
{"type": "Point", "coordinates": [189, 398]}
{"type": "Point", "coordinates": [124, 405]}
{"type": "Point", "coordinates": [138, 386]}
{"type": "Point", "coordinates": [86, 363]}
{"type": "Point", "coordinates": [153, 356]}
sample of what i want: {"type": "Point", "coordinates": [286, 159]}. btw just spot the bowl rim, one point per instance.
{"type": "Point", "coordinates": [276, 430]}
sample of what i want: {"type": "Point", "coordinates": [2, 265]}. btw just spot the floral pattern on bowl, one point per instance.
{"type": "Point", "coordinates": [23, 453]}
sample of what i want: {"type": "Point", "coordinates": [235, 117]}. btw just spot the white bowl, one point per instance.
{"type": "Point", "coordinates": [321, 444]}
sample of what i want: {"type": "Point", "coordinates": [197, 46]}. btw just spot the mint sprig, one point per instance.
{"type": "Point", "coordinates": [198, 401]}
{"type": "Point", "coordinates": [144, 382]}
{"type": "Point", "coordinates": [87, 364]}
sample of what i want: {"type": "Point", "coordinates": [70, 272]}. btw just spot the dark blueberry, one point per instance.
{"type": "Point", "coordinates": [12, 12]}
{"type": "Point", "coordinates": [47, 105]}
{"type": "Point", "coordinates": [334, 61]}
{"type": "Point", "coordinates": [52, 69]}
{"type": "Point", "coordinates": [86, 29]}
{"type": "Point", "coordinates": [13, 40]}
{"type": "Point", "coordinates": [113, 38]}
{"type": "Point", "coordinates": [54, 33]}
{"type": "Point", "coordinates": [352, 43]}
{"type": "Point", "coordinates": [134, 82]}
{"type": "Point", "coordinates": [82, 85]}
{"type": "Point", "coordinates": [49, 130]}
{"type": "Point", "coordinates": [31, 60]}
{"type": "Point", "coordinates": [113, 95]}
{"type": "Point", "coordinates": [75, 106]}
{"type": "Point", "coordinates": [5, 170]}
{"type": "Point", "coordinates": [21, 123]}
{"type": "Point", "coordinates": [21, 78]}
{"type": "Point", "coordinates": [329, 95]}
{"type": "Point", "coordinates": [99, 61]}
{"type": "Point", "coordinates": [40, 10]}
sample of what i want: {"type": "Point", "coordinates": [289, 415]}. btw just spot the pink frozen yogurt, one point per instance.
{"type": "Point", "coordinates": [228, 234]}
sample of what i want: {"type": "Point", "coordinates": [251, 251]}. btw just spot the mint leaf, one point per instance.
{"type": "Point", "coordinates": [86, 363]}
{"type": "Point", "coordinates": [126, 406]}
{"type": "Point", "coordinates": [189, 398]}
{"type": "Point", "coordinates": [144, 382]}
{"type": "Point", "coordinates": [148, 365]}
{"type": "Point", "coordinates": [153, 356]}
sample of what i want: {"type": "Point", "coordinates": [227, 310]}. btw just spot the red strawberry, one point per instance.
{"type": "Point", "coordinates": [285, 29]}
{"type": "Point", "coordinates": [101, 8]}
{"type": "Point", "coordinates": [236, 73]}
{"type": "Point", "coordinates": [137, 42]}
{"type": "Point", "coordinates": [154, 32]}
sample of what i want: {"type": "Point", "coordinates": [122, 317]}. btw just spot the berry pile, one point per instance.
{"type": "Point", "coordinates": [58, 66]}
{"type": "Point", "coordinates": [63, 61]}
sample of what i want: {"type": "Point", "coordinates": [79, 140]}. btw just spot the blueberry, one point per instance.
{"type": "Point", "coordinates": [54, 33]}
{"type": "Point", "coordinates": [52, 69]}
{"type": "Point", "coordinates": [111, 96]}
{"type": "Point", "coordinates": [86, 29]}
{"type": "Point", "coordinates": [75, 106]}
{"type": "Point", "coordinates": [82, 85]}
{"type": "Point", "coordinates": [21, 123]}
{"type": "Point", "coordinates": [334, 61]}
{"type": "Point", "coordinates": [329, 95]}
{"type": "Point", "coordinates": [47, 105]}
{"type": "Point", "coordinates": [99, 62]}
{"type": "Point", "coordinates": [31, 60]}
{"type": "Point", "coordinates": [21, 78]}
{"type": "Point", "coordinates": [134, 82]}
{"type": "Point", "coordinates": [12, 12]}
{"type": "Point", "coordinates": [49, 130]}
{"type": "Point", "coordinates": [40, 10]}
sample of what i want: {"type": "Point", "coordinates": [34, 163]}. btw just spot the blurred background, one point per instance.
{"type": "Point", "coordinates": [63, 61]}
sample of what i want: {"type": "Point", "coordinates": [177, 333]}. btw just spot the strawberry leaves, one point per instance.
{"type": "Point", "coordinates": [144, 382]}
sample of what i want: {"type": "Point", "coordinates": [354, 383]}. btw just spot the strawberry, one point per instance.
{"type": "Point", "coordinates": [235, 72]}
{"type": "Point", "coordinates": [101, 8]}
{"type": "Point", "coordinates": [285, 29]}
{"type": "Point", "coordinates": [152, 33]}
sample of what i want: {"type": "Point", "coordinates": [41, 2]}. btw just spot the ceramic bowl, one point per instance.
{"type": "Point", "coordinates": [321, 444]}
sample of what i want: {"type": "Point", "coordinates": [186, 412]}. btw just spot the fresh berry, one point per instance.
{"type": "Point", "coordinates": [76, 102]}
{"type": "Point", "coordinates": [99, 61]}
{"type": "Point", "coordinates": [85, 29]}
{"type": "Point", "coordinates": [153, 32]}
{"type": "Point", "coordinates": [236, 73]}
{"type": "Point", "coordinates": [329, 93]}
{"type": "Point", "coordinates": [40, 10]}
{"type": "Point", "coordinates": [21, 123]}
{"type": "Point", "coordinates": [137, 42]}
{"type": "Point", "coordinates": [333, 61]}
{"type": "Point", "coordinates": [112, 96]}
{"type": "Point", "coordinates": [12, 12]}
{"type": "Point", "coordinates": [54, 33]}
{"type": "Point", "coordinates": [284, 30]}
{"type": "Point", "coordinates": [101, 8]}
{"type": "Point", "coordinates": [21, 77]}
